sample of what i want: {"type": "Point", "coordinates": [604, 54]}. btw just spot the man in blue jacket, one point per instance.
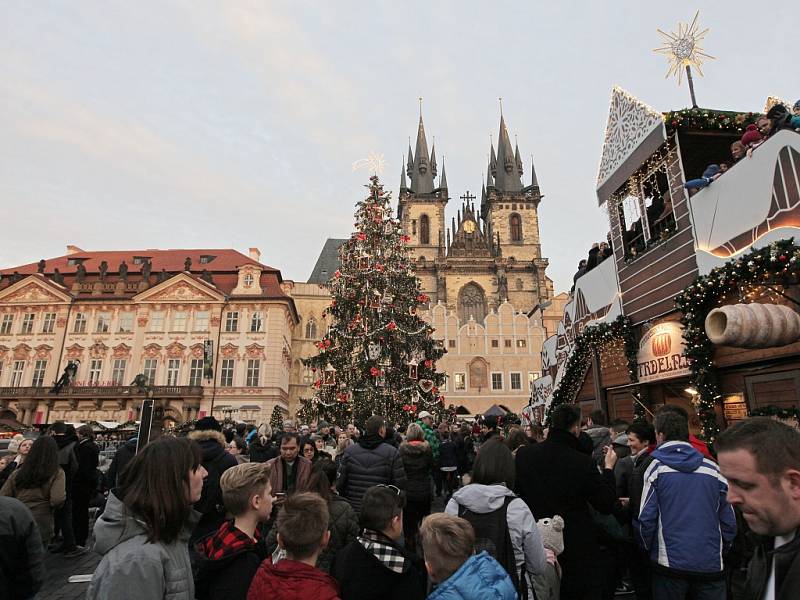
{"type": "Point", "coordinates": [685, 521]}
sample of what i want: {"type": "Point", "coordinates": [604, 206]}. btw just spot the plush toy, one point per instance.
{"type": "Point", "coordinates": [709, 175]}
{"type": "Point", "coordinates": [552, 532]}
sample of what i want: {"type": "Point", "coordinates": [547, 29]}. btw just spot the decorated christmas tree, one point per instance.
{"type": "Point", "coordinates": [276, 420]}
{"type": "Point", "coordinates": [378, 356]}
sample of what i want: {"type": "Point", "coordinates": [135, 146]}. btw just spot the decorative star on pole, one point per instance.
{"type": "Point", "coordinates": [375, 163]}
{"type": "Point", "coordinates": [684, 52]}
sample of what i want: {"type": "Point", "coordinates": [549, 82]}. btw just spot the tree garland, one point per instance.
{"type": "Point", "coordinates": [709, 120]}
{"type": "Point", "coordinates": [775, 411]}
{"type": "Point", "coordinates": [777, 263]}
{"type": "Point", "coordinates": [594, 338]}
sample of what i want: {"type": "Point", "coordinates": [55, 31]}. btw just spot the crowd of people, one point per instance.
{"type": "Point", "coordinates": [581, 510]}
{"type": "Point", "coordinates": [597, 254]}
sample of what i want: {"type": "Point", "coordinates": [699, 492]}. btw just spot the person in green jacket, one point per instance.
{"type": "Point", "coordinates": [426, 422]}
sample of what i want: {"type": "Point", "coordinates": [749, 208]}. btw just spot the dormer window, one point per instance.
{"type": "Point", "coordinates": [248, 280]}
{"type": "Point", "coordinates": [140, 260]}
{"type": "Point", "coordinates": [206, 258]}
{"type": "Point", "coordinates": [74, 262]}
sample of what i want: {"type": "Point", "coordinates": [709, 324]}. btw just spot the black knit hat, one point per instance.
{"type": "Point", "coordinates": [208, 424]}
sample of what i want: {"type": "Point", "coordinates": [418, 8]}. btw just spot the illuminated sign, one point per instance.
{"type": "Point", "coordinates": [661, 353]}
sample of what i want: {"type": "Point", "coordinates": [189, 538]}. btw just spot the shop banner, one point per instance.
{"type": "Point", "coordinates": [661, 353]}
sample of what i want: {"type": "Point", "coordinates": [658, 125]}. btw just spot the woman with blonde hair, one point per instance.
{"type": "Point", "coordinates": [417, 459]}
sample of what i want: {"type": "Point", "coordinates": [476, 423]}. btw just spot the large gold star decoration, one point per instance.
{"type": "Point", "coordinates": [683, 48]}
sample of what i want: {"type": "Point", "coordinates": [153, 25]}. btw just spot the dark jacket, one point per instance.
{"type": "Point", "coordinates": [66, 457]}
{"type": "Point", "coordinates": [367, 463]}
{"type": "Point", "coordinates": [21, 551]}
{"type": "Point", "coordinates": [591, 262]}
{"type": "Point", "coordinates": [363, 577]}
{"type": "Point", "coordinates": [122, 457]}
{"type": "Point", "coordinates": [417, 463]}
{"type": "Point", "coordinates": [465, 452]}
{"type": "Point", "coordinates": [226, 577]}
{"type": "Point", "coordinates": [88, 455]}
{"type": "Point", "coordinates": [276, 474]}
{"type": "Point", "coordinates": [262, 452]}
{"type": "Point", "coordinates": [787, 570]}
{"type": "Point", "coordinates": [291, 580]}
{"type": "Point", "coordinates": [343, 525]}
{"type": "Point", "coordinates": [212, 445]}
{"type": "Point", "coordinates": [447, 454]}
{"type": "Point", "coordinates": [554, 478]}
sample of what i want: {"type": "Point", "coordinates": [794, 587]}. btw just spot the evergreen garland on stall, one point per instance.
{"type": "Point", "coordinates": [775, 265]}
{"type": "Point", "coordinates": [378, 357]}
{"type": "Point", "coordinates": [593, 339]}
{"type": "Point", "coordinates": [709, 120]}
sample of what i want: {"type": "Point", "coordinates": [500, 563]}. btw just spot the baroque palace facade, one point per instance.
{"type": "Point", "coordinates": [491, 301]}
{"type": "Point", "coordinates": [211, 331]}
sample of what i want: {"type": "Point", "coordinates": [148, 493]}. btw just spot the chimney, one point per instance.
{"type": "Point", "coordinates": [255, 254]}
{"type": "Point", "coordinates": [73, 249]}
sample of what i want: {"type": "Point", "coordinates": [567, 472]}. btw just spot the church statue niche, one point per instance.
{"type": "Point", "coordinates": [471, 303]}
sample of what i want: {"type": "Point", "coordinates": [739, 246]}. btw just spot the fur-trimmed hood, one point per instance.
{"type": "Point", "coordinates": [207, 434]}
{"type": "Point", "coordinates": [212, 443]}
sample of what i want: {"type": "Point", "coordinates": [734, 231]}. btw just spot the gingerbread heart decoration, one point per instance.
{"type": "Point", "coordinates": [426, 385]}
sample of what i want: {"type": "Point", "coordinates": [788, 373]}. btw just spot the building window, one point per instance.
{"type": "Point", "coordinates": [7, 324]}
{"type": "Point", "coordinates": [232, 321]}
{"type": "Point", "coordinates": [460, 381]}
{"type": "Point", "coordinates": [256, 322]}
{"type": "Point", "coordinates": [521, 343]}
{"type": "Point", "coordinates": [118, 372]}
{"type": "Point", "coordinates": [531, 379]}
{"type": "Point", "coordinates": [39, 367]}
{"type": "Point", "coordinates": [206, 258]}
{"type": "Point", "coordinates": [308, 376]}
{"type": "Point", "coordinates": [515, 222]}
{"type": "Point", "coordinates": [248, 280]}
{"type": "Point", "coordinates": [140, 260]}
{"type": "Point", "coordinates": [451, 343]}
{"type": "Point", "coordinates": [125, 322]}
{"type": "Point", "coordinates": [226, 372]}
{"type": "Point", "coordinates": [49, 323]}
{"type": "Point", "coordinates": [173, 371]}
{"type": "Point", "coordinates": [201, 320]}
{"type": "Point", "coordinates": [507, 343]}
{"type": "Point", "coordinates": [80, 323]}
{"type": "Point", "coordinates": [157, 321]}
{"type": "Point", "coordinates": [95, 370]}
{"type": "Point", "coordinates": [27, 323]}
{"type": "Point", "coordinates": [149, 371]}
{"type": "Point", "coordinates": [253, 372]}
{"type": "Point", "coordinates": [1, 372]}
{"type": "Point", "coordinates": [471, 303]}
{"type": "Point", "coordinates": [424, 230]}
{"type": "Point", "coordinates": [311, 329]}
{"type": "Point", "coordinates": [103, 322]}
{"type": "Point", "coordinates": [17, 371]}
{"type": "Point", "coordinates": [196, 371]}
{"type": "Point", "coordinates": [179, 320]}
{"type": "Point", "coordinates": [497, 381]}
{"type": "Point", "coordinates": [516, 381]}
{"type": "Point", "coordinates": [495, 343]}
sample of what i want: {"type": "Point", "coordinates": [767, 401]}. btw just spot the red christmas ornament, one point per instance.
{"type": "Point", "coordinates": [405, 238]}
{"type": "Point", "coordinates": [318, 383]}
{"type": "Point", "coordinates": [429, 364]}
{"type": "Point", "coordinates": [406, 407]}
{"type": "Point", "coordinates": [435, 390]}
{"type": "Point", "coordinates": [783, 258]}
{"type": "Point", "coordinates": [391, 326]}
{"type": "Point", "coordinates": [337, 274]}
{"type": "Point", "coordinates": [413, 408]}
{"type": "Point", "coordinates": [361, 236]}
{"type": "Point", "coordinates": [374, 371]}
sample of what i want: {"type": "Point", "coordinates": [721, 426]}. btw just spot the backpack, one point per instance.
{"type": "Point", "coordinates": [492, 536]}
{"type": "Point", "coordinates": [211, 497]}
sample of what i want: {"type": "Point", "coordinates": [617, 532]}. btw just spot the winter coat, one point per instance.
{"type": "Point", "coordinates": [226, 577]}
{"type": "Point", "coordinates": [276, 474]}
{"type": "Point", "coordinates": [291, 580]}
{"type": "Point", "coordinates": [262, 452]}
{"type": "Point", "coordinates": [417, 462]}
{"type": "Point", "coordinates": [525, 537]}
{"type": "Point", "coordinates": [685, 520]}
{"type": "Point", "coordinates": [6, 473]}
{"type": "Point", "coordinates": [555, 478]}
{"type": "Point", "coordinates": [447, 454]}
{"type": "Point", "coordinates": [601, 437]}
{"type": "Point", "coordinates": [367, 463]}
{"type": "Point", "coordinates": [133, 568]}
{"type": "Point", "coordinates": [465, 453]}
{"type": "Point", "coordinates": [480, 578]}
{"type": "Point", "coordinates": [343, 525]}
{"type": "Point", "coordinates": [787, 570]}
{"type": "Point", "coordinates": [432, 439]}
{"type": "Point", "coordinates": [636, 481]}
{"type": "Point", "coordinates": [66, 457]}
{"type": "Point", "coordinates": [88, 456]}
{"type": "Point", "coordinates": [122, 457]}
{"type": "Point", "coordinates": [363, 577]}
{"type": "Point", "coordinates": [212, 445]}
{"type": "Point", "coordinates": [41, 501]}
{"type": "Point", "coordinates": [591, 261]}
{"type": "Point", "coordinates": [21, 552]}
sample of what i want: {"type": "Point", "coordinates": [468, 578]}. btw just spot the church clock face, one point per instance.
{"type": "Point", "coordinates": [469, 226]}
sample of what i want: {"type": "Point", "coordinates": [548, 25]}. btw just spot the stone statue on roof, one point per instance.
{"type": "Point", "coordinates": [146, 268]}
{"type": "Point", "coordinates": [41, 266]}
{"type": "Point", "coordinates": [163, 276]}
{"type": "Point", "coordinates": [58, 277]}
{"type": "Point", "coordinates": [187, 264]}
{"type": "Point", "coordinates": [206, 276]}
{"type": "Point", "coordinates": [103, 270]}
{"type": "Point", "coordinates": [80, 273]}
{"type": "Point", "coordinates": [123, 271]}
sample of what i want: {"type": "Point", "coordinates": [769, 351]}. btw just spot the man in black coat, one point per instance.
{"type": "Point", "coordinates": [85, 484]}
{"type": "Point", "coordinates": [368, 462]}
{"type": "Point", "coordinates": [122, 457]}
{"type": "Point", "coordinates": [760, 458]}
{"type": "Point", "coordinates": [555, 478]}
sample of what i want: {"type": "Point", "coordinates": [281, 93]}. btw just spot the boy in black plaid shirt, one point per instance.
{"type": "Point", "coordinates": [229, 558]}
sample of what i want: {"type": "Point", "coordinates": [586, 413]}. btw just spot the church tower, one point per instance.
{"type": "Point", "coordinates": [421, 207]}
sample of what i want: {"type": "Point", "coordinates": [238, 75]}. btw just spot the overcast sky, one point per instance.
{"type": "Point", "coordinates": [168, 124]}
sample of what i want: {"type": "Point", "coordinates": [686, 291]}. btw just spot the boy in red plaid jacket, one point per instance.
{"type": "Point", "coordinates": [228, 559]}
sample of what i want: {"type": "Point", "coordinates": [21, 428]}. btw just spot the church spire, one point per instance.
{"type": "Point", "coordinates": [518, 159]}
{"type": "Point", "coordinates": [403, 185]}
{"type": "Point", "coordinates": [443, 178]}
{"type": "Point", "coordinates": [410, 163]}
{"type": "Point", "coordinates": [421, 173]}
{"type": "Point", "coordinates": [492, 160]}
{"type": "Point", "coordinates": [534, 179]}
{"type": "Point", "coordinates": [433, 157]}
{"type": "Point", "coordinates": [507, 177]}
{"type": "Point", "coordinates": [489, 181]}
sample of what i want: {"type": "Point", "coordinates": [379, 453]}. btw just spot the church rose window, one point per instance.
{"type": "Point", "coordinates": [471, 303]}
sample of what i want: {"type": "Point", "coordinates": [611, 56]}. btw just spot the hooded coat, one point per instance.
{"type": "Point", "coordinates": [525, 537]}
{"type": "Point", "coordinates": [418, 463]}
{"type": "Point", "coordinates": [122, 457]}
{"type": "Point", "coordinates": [480, 578]}
{"type": "Point", "coordinates": [292, 580]}
{"type": "Point", "coordinates": [21, 552]}
{"type": "Point", "coordinates": [685, 521]}
{"type": "Point", "coordinates": [133, 568]}
{"type": "Point", "coordinates": [41, 501]}
{"type": "Point", "coordinates": [216, 461]}
{"type": "Point", "coordinates": [367, 463]}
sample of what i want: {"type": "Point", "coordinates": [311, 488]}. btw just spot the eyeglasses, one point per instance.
{"type": "Point", "coordinates": [394, 488]}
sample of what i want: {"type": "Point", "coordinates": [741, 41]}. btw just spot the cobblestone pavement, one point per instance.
{"type": "Point", "coordinates": [58, 571]}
